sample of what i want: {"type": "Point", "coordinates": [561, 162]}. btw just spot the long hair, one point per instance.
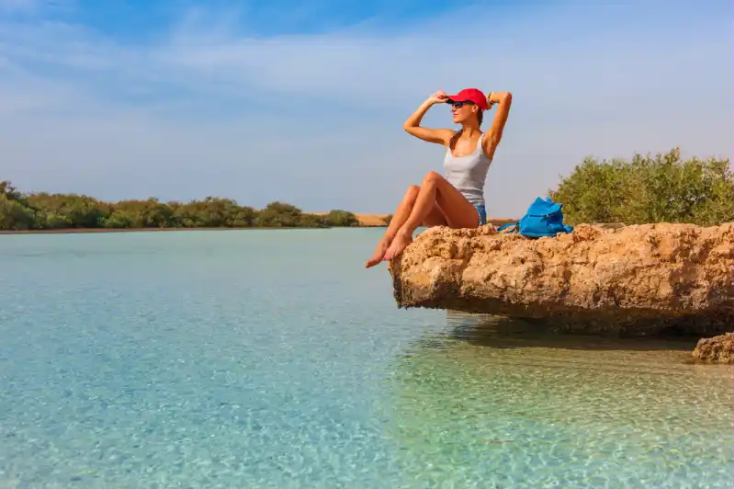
{"type": "Point", "coordinates": [455, 137]}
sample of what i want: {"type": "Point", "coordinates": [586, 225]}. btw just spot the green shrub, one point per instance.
{"type": "Point", "coordinates": [279, 214]}
{"type": "Point", "coordinates": [14, 215]}
{"type": "Point", "coordinates": [339, 218]}
{"type": "Point", "coordinates": [663, 188]}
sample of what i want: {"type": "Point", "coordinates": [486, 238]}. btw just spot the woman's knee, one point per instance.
{"type": "Point", "coordinates": [431, 178]}
{"type": "Point", "coordinates": [412, 193]}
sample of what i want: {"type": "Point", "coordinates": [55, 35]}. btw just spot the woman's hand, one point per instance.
{"type": "Point", "coordinates": [439, 97]}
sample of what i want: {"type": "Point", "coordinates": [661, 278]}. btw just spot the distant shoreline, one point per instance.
{"type": "Point", "coordinates": [146, 230]}
{"type": "Point", "coordinates": [53, 213]}
{"type": "Point", "coordinates": [361, 217]}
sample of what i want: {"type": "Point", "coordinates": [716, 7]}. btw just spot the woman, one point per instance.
{"type": "Point", "coordinates": [457, 200]}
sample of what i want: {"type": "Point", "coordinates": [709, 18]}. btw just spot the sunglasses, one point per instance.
{"type": "Point", "coordinates": [458, 105]}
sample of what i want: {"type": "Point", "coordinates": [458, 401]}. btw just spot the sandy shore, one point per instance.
{"type": "Point", "coordinates": [372, 220]}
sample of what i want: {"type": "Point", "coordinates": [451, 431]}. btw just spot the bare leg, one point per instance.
{"type": "Point", "coordinates": [435, 190]}
{"type": "Point", "coordinates": [398, 219]}
{"type": "Point", "coordinates": [435, 218]}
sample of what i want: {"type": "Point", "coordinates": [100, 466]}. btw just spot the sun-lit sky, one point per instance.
{"type": "Point", "coordinates": [304, 101]}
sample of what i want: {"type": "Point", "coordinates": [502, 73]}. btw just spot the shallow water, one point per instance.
{"type": "Point", "coordinates": [271, 359]}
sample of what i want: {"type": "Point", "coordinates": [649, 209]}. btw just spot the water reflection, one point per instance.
{"type": "Point", "coordinates": [495, 403]}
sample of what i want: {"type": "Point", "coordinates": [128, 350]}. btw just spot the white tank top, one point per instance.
{"type": "Point", "coordinates": [468, 173]}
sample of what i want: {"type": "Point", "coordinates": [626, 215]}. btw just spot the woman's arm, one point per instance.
{"type": "Point", "coordinates": [412, 125]}
{"type": "Point", "coordinates": [504, 101]}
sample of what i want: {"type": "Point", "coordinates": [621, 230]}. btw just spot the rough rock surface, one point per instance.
{"type": "Point", "coordinates": [719, 349]}
{"type": "Point", "coordinates": [637, 280]}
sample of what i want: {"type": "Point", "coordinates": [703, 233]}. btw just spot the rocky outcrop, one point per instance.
{"type": "Point", "coordinates": [719, 349]}
{"type": "Point", "coordinates": [636, 280]}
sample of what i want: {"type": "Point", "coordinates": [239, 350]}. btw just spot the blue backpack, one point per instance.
{"type": "Point", "coordinates": [543, 218]}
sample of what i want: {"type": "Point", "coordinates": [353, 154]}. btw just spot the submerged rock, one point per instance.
{"type": "Point", "coordinates": [636, 280]}
{"type": "Point", "coordinates": [719, 349]}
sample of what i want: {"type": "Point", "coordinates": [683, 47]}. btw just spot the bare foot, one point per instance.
{"type": "Point", "coordinates": [379, 253]}
{"type": "Point", "coordinates": [398, 244]}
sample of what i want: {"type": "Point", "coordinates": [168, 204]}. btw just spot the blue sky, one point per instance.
{"type": "Point", "coordinates": [304, 102]}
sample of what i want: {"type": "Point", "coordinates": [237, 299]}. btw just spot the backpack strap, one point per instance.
{"type": "Point", "coordinates": [507, 226]}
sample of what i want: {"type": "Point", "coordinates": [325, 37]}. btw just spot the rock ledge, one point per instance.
{"type": "Point", "coordinates": [636, 280]}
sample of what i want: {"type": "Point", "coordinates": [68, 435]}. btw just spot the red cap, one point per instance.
{"type": "Point", "coordinates": [470, 95]}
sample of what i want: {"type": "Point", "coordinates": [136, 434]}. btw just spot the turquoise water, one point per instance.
{"type": "Point", "coordinates": [272, 359]}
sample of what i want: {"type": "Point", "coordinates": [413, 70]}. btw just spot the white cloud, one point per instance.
{"type": "Point", "coordinates": [316, 120]}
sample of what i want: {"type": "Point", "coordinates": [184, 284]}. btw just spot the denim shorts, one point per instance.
{"type": "Point", "coordinates": [482, 214]}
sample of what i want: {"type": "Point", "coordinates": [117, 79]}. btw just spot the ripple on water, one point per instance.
{"type": "Point", "coordinates": [585, 412]}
